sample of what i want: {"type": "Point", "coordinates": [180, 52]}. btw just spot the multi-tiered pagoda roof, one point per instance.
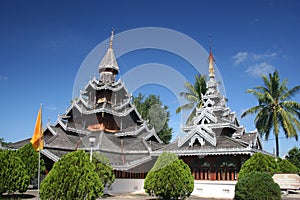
{"type": "Point", "coordinates": [215, 130]}
{"type": "Point", "coordinates": [104, 111]}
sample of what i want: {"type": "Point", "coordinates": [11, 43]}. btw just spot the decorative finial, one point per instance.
{"type": "Point", "coordinates": [211, 59]}
{"type": "Point", "coordinates": [111, 38]}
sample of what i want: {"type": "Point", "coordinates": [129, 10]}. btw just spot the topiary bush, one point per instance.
{"type": "Point", "coordinates": [103, 169]}
{"type": "Point", "coordinates": [31, 159]}
{"type": "Point", "coordinates": [13, 173]}
{"type": "Point", "coordinates": [294, 156]}
{"type": "Point", "coordinates": [287, 167]}
{"type": "Point", "coordinates": [170, 178]}
{"type": "Point", "coordinates": [257, 185]}
{"type": "Point", "coordinates": [72, 177]}
{"type": "Point", "coordinates": [259, 163]}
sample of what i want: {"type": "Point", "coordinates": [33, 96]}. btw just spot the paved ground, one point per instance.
{"type": "Point", "coordinates": [32, 195]}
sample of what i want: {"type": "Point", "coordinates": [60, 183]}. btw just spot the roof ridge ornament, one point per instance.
{"type": "Point", "coordinates": [111, 38]}
{"type": "Point", "coordinates": [211, 60]}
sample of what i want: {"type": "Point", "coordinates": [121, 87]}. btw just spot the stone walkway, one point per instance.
{"type": "Point", "coordinates": [32, 195]}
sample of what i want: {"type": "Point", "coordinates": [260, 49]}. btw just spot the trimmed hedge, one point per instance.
{"type": "Point", "coordinates": [170, 178]}
{"type": "Point", "coordinates": [257, 185]}
{"type": "Point", "coordinates": [72, 177]}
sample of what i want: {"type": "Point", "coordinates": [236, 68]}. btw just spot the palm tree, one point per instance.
{"type": "Point", "coordinates": [193, 95]}
{"type": "Point", "coordinates": [275, 108]}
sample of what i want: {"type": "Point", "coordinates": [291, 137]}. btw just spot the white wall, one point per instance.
{"type": "Point", "coordinates": [209, 189]}
{"type": "Point", "coordinates": [214, 189]}
{"type": "Point", "coordinates": [126, 186]}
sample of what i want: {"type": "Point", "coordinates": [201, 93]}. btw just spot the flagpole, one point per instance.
{"type": "Point", "coordinates": [37, 142]}
{"type": "Point", "coordinates": [39, 166]}
{"type": "Point", "coordinates": [39, 169]}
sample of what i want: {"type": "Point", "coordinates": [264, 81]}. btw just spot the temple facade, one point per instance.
{"type": "Point", "coordinates": [104, 119]}
{"type": "Point", "coordinates": [215, 145]}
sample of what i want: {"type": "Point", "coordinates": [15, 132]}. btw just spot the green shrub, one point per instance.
{"type": "Point", "coordinates": [103, 168]}
{"type": "Point", "coordinates": [257, 185]}
{"type": "Point", "coordinates": [13, 173]}
{"type": "Point", "coordinates": [259, 163]}
{"type": "Point", "coordinates": [287, 167]}
{"type": "Point", "coordinates": [294, 156]}
{"type": "Point", "coordinates": [170, 178]}
{"type": "Point", "coordinates": [31, 159]}
{"type": "Point", "coordinates": [72, 177]}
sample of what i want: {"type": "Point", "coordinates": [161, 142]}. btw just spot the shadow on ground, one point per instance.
{"type": "Point", "coordinates": [17, 196]}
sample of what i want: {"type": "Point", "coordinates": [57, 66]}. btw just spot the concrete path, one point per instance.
{"type": "Point", "coordinates": [32, 195]}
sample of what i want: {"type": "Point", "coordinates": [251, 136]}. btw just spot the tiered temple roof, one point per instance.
{"type": "Point", "coordinates": [215, 130]}
{"type": "Point", "coordinates": [104, 111]}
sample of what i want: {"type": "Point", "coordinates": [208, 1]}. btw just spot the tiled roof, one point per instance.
{"type": "Point", "coordinates": [19, 144]}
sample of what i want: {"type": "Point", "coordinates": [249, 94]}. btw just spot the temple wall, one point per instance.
{"type": "Point", "coordinates": [126, 186]}
{"type": "Point", "coordinates": [206, 189]}
{"type": "Point", "coordinates": [214, 189]}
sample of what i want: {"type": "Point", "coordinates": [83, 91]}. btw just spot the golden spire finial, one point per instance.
{"type": "Point", "coordinates": [111, 38]}
{"type": "Point", "coordinates": [211, 60]}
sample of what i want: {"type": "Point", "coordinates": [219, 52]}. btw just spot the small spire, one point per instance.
{"type": "Point", "coordinates": [111, 38]}
{"type": "Point", "coordinates": [211, 60]}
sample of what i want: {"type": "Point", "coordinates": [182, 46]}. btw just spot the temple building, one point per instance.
{"type": "Point", "coordinates": [104, 119]}
{"type": "Point", "coordinates": [214, 145]}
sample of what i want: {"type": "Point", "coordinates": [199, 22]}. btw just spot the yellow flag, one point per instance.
{"type": "Point", "coordinates": [37, 140]}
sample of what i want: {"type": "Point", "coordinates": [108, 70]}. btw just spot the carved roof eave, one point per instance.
{"type": "Point", "coordinates": [206, 152]}
{"type": "Point", "coordinates": [125, 152]}
{"type": "Point", "coordinates": [212, 96]}
{"type": "Point", "coordinates": [122, 114]}
{"type": "Point", "coordinates": [152, 133]}
{"type": "Point", "coordinates": [110, 87]}
{"type": "Point", "coordinates": [51, 129]}
{"type": "Point", "coordinates": [205, 113]}
{"type": "Point", "coordinates": [212, 126]}
{"type": "Point", "coordinates": [66, 128]}
{"type": "Point", "coordinates": [222, 125]}
{"type": "Point", "coordinates": [71, 106]}
{"type": "Point", "coordinates": [197, 130]}
{"type": "Point", "coordinates": [131, 133]}
{"type": "Point", "coordinates": [257, 140]}
{"type": "Point", "coordinates": [116, 86]}
{"type": "Point", "coordinates": [133, 164]}
{"type": "Point", "coordinates": [50, 155]}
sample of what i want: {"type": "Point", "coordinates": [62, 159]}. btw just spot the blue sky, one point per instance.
{"type": "Point", "coordinates": [43, 44]}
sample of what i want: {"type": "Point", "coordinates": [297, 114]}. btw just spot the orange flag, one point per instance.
{"type": "Point", "coordinates": [37, 138]}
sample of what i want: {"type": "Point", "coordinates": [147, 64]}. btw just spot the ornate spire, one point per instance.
{"type": "Point", "coordinates": [108, 67]}
{"type": "Point", "coordinates": [111, 38]}
{"type": "Point", "coordinates": [211, 61]}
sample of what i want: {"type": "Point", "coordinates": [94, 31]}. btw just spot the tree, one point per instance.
{"type": "Point", "coordinates": [72, 177]}
{"type": "Point", "coordinates": [287, 167]}
{"type": "Point", "coordinates": [259, 163]}
{"type": "Point", "coordinates": [193, 96]}
{"type": "Point", "coordinates": [257, 185]}
{"type": "Point", "coordinates": [31, 159]}
{"type": "Point", "coordinates": [104, 169]}
{"type": "Point", "coordinates": [170, 178]}
{"type": "Point", "coordinates": [13, 174]}
{"type": "Point", "coordinates": [157, 114]}
{"type": "Point", "coordinates": [275, 108]}
{"type": "Point", "coordinates": [3, 143]}
{"type": "Point", "coordinates": [294, 156]}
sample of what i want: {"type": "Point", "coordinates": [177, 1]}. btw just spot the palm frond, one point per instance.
{"type": "Point", "coordinates": [184, 107]}
{"type": "Point", "coordinates": [191, 116]}
{"type": "Point", "coordinates": [291, 93]}
{"type": "Point", "coordinates": [189, 97]}
{"type": "Point", "coordinates": [190, 88]}
{"type": "Point", "coordinates": [252, 110]}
